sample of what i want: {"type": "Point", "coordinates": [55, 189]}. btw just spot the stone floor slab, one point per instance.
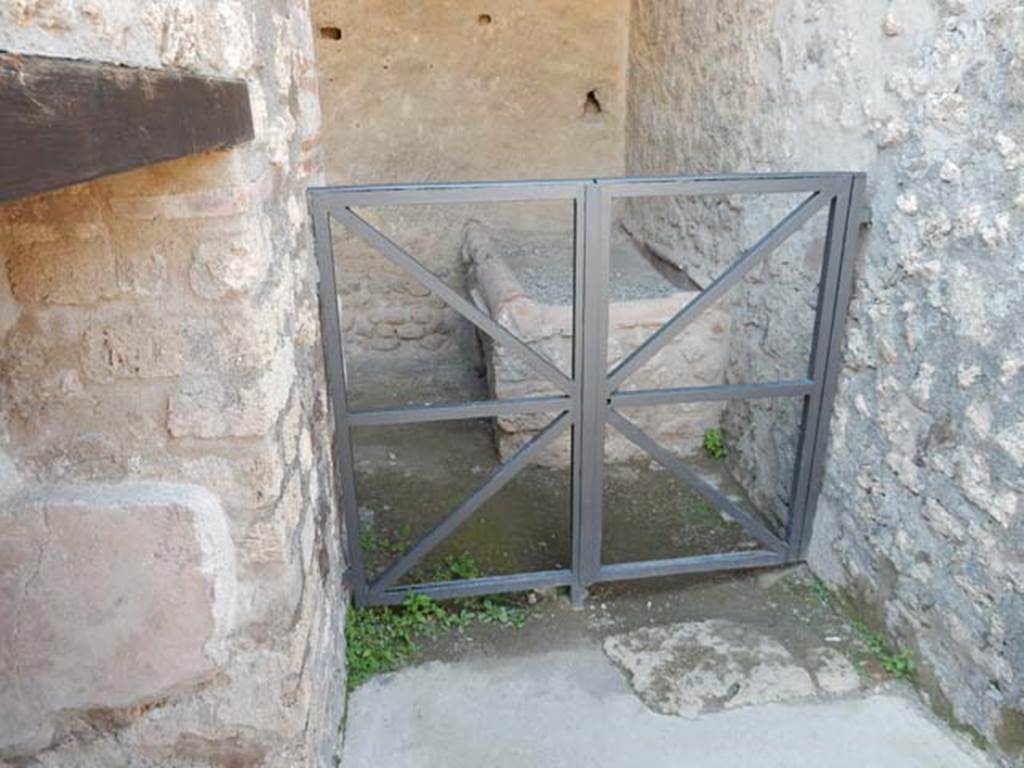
{"type": "Point", "coordinates": [702, 666]}
{"type": "Point", "coordinates": [572, 707]}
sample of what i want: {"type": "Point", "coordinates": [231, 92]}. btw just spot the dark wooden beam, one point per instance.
{"type": "Point", "coordinates": [62, 122]}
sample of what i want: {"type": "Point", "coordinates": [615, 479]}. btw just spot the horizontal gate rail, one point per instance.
{"type": "Point", "coordinates": [451, 411]}
{"type": "Point", "coordinates": [485, 585]}
{"type": "Point", "coordinates": [677, 566]}
{"type": "Point", "coordinates": [590, 397]}
{"type": "Point", "coordinates": [727, 184]}
{"type": "Point", "coordinates": [335, 198]}
{"type": "Point", "coordinates": [673, 395]}
{"type": "Point", "coordinates": [436, 193]}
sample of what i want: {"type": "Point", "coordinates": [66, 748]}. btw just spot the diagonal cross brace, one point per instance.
{"type": "Point", "coordinates": [396, 254]}
{"type": "Point", "coordinates": [501, 475]}
{"type": "Point", "coordinates": [747, 261]}
{"type": "Point", "coordinates": [664, 457]}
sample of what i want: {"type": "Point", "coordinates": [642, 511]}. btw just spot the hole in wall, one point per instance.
{"type": "Point", "coordinates": [592, 104]}
{"type": "Point", "coordinates": [330, 33]}
{"type": "Point", "coordinates": [484, 19]}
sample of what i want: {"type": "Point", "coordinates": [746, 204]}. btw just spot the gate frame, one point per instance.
{"type": "Point", "coordinates": [590, 393]}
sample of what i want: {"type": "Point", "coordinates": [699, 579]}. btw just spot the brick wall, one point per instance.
{"type": "Point", "coordinates": [167, 537]}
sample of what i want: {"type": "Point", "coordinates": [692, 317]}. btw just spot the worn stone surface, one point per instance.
{"type": "Point", "coordinates": [119, 595]}
{"type": "Point", "coordinates": [233, 263]}
{"type": "Point", "coordinates": [510, 712]}
{"type": "Point", "coordinates": [75, 271]}
{"type": "Point", "coordinates": [920, 515]}
{"type": "Point", "coordinates": [686, 669]}
{"type": "Point", "coordinates": [160, 326]}
{"type": "Point", "coordinates": [483, 695]}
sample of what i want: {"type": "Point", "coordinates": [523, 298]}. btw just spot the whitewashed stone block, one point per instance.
{"type": "Point", "coordinates": [112, 596]}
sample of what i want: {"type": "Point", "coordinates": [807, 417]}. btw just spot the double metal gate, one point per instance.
{"type": "Point", "coordinates": [590, 397]}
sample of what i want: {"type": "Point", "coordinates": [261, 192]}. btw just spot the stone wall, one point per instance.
{"type": "Point", "coordinates": [445, 91]}
{"type": "Point", "coordinates": [920, 516]}
{"type": "Point", "coordinates": [169, 566]}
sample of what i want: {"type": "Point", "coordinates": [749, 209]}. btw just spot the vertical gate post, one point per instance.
{"type": "Point", "coordinates": [845, 239]}
{"type": "Point", "coordinates": [577, 590]}
{"type": "Point", "coordinates": [594, 401]}
{"type": "Point", "coordinates": [343, 475]}
{"type": "Point", "coordinates": [838, 208]}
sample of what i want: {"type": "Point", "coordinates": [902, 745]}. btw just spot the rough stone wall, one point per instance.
{"type": "Point", "coordinates": [445, 91]}
{"type": "Point", "coordinates": [921, 510]}
{"type": "Point", "coordinates": [169, 566]}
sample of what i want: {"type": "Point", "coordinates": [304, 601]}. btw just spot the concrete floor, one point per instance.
{"type": "Point", "coordinates": [549, 695]}
{"type": "Point", "coordinates": [573, 708]}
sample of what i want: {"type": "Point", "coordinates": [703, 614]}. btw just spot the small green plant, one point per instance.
{"type": "Point", "coordinates": [373, 541]}
{"type": "Point", "coordinates": [714, 443]}
{"type": "Point", "coordinates": [705, 509]}
{"type": "Point", "coordinates": [377, 640]}
{"type": "Point", "coordinates": [898, 662]}
{"type": "Point", "coordinates": [382, 639]}
{"type": "Point", "coordinates": [821, 592]}
{"type": "Point", "coordinates": [493, 612]}
{"type": "Point", "coordinates": [461, 566]}
{"type": "Point", "coordinates": [370, 541]}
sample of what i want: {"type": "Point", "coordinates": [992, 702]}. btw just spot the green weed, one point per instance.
{"type": "Point", "coordinates": [374, 542]}
{"type": "Point", "coordinates": [898, 662]}
{"type": "Point", "coordinates": [462, 566]}
{"type": "Point", "coordinates": [383, 639]}
{"type": "Point", "coordinates": [714, 443]}
{"type": "Point", "coordinates": [491, 611]}
{"type": "Point", "coordinates": [821, 592]}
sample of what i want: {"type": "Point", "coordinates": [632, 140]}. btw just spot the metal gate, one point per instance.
{"type": "Point", "coordinates": [590, 397]}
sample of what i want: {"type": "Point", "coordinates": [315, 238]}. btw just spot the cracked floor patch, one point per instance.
{"type": "Point", "coordinates": [686, 669]}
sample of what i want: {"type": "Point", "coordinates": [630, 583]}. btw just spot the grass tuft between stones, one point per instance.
{"type": "Point", "coordinates": [894, 660]}
{"type": "Point", "coordinates": [382, 639]}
